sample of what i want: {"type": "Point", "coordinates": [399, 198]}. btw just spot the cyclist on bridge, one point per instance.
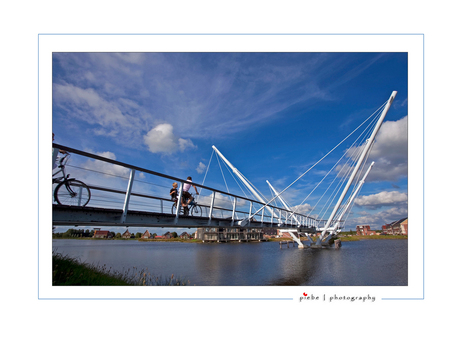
{"type": "Point", "coordinates": [187, 196]}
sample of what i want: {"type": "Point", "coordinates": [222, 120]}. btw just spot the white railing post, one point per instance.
{"type": "Point", "coordinates": [211, 206]}
{"type": "Point", "coordinates": [127, 196]}
{"type": "Point", "coordinates": [179, 203]}
{"type": "Point", "coordinates": [234, 209]}
{"type": "Point", "coordinates": [250, 211]}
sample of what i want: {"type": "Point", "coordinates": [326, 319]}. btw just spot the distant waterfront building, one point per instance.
{"type": "Point", "coordinates": [271, 232]}
{"type": "Point", "coordinates": [230, 234]}
{"type": "Point", "coordinates": [102, 234]}
{"type": "Point", "coordinates": [364, 230]}
{"type": "Point", "coordinates": [185, 235]}
{"type": "Point", "coordinates": [146, 234]}
{"type": "Point", "coordinates": [404, 227]}
{"type": "Point", "coordinates": [126, 234]}
{"type": "Point", "coordinates": [396, 228]}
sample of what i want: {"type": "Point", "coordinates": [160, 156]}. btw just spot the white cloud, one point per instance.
{"type": "Point", "coordinates": [88, 105]}
{"type": "Point", "coordinates": [303, 208]}
{"type": "Point", "coordinates": [185, 144]}
{"type": "Point", "coordinates": [106, 168]}
{"type": "Point", "coordinates": [201, 168]}
{"type": "Point", "coordinates": [161, 139]}
{"type": "Point", "coordinates": [381, 199]}
{"type": "Point", "coordinates": [378, 219]}
{"type": "Point", "coordinates": [390, 152]}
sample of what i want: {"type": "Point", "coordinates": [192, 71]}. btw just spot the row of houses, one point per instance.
{"type": "Point", "coordinates": [98, 233]}
{"type": "Point", "coordinates": [399, 227]}
{"type": "Point", "coordinates": [395, 228]}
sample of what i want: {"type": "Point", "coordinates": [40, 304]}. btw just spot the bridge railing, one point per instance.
{"type": "Point", "coordinates": [118, 185]}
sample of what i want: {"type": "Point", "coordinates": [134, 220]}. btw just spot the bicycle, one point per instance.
{"type": "Point", "coordinates": [69, 191]}
{"type": "Point", "coordinates": [192, 209]}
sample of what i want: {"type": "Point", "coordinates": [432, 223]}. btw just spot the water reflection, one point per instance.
{"type": "Point", "coordinates": [378, 262]}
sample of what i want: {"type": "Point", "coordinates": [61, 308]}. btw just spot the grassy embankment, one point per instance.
{"type": "Point", "coordinates": [346, 238]}
{"type": "Point", "coordinates": [70, 271]}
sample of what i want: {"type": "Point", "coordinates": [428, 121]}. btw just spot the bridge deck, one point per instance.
{"type": "Point", "coordinates": [91, 216]}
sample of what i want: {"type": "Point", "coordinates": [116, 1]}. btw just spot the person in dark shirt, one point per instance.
{"type": "Point", "coordinates": [173, 191]}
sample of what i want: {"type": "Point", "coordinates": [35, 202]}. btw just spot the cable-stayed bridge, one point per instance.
{"type": "Point", "coordinates": [95, 190]}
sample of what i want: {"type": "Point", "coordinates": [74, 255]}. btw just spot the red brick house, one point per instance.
{"type": "Point", "coordinates": [102, 234]}
{"type": "Point", "coordinates": [404, 227]}
{"type": "Point", "coordinates": [146, 234]}
{"type": "Point", "coordinates": [126, 234]}
{"type": "Point", "coordinates": [396, 228]}
{"type": "Point", "coordinates": [364, 230]}
{"type": "Point", "coordinates": [185, 235]}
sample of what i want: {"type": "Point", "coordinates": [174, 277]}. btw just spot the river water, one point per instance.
{"type": "Point", "coordinates": [362, 263]}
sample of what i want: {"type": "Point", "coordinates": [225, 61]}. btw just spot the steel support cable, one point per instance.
{"type": "Point", "coordinates": [354, 157]}
{"type": "Point", "coordinates": [323, 157]}
{"type": "Point", "coordinates": [350, 159]}
{"type": "Point", "coordinates": [327, 174]}
{"type": "Point", "coordinates": [249, 182]}
{"type": "Point", "coordinates": [353, 202]}
{"type": "Point", "coordinates": [223, 176]}
{"type": "Point", "coordinates": [232, 174]}
{"type": "Point", "coordinates": [253, 186]}
{"type": "Point", "coordinates": [356, 180]}
{"type": "Point", "coordinates": [336, 190]}
{"type": "Point", "coordinates": [209, 163]}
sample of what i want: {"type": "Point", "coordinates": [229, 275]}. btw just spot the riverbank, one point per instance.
{"type": "Point", "coordinates": [343, 238]}
{"type": "Point", "coordinates": [347, 238]}
{"type": "Point", "coordinates": [68, 271]}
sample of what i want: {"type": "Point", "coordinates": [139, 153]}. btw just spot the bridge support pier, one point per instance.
{"type": "Point", "coordinates": [296, 239]}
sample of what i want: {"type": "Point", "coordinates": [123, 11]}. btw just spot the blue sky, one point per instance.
{"type": "Point", "coordinates": [271, 114]}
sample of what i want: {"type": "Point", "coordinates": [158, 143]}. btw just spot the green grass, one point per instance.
{"type": "Point", "coordinates": [345, 238]}
{"type": "Point", "coordinates": [70, 271]}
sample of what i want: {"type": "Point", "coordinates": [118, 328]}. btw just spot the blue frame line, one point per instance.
{"type": "Point", "coordinates": [242, 34]}
{"type": "Point", "coordinates": [251, 299]}
{"type": "Point", "coordinates": [423, 186]}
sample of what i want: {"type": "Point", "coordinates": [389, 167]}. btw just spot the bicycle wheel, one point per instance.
{"type": "Point", "coordinates": [196, 211]}
{"type": "Point", "coordinates": [72, 192]}
{"type": "Point", "coordinates": [173, 210]}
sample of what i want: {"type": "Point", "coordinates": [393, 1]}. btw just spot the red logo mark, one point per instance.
{"type": "Point", "coordinates": [305, 294]}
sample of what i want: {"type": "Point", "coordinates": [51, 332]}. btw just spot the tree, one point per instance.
{"type": "Point", "coordinates": [174, 234]}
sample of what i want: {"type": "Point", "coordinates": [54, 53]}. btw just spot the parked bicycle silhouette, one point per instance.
{"type": "Point", "coordinates": [192, 209]}
{"type": "Point", "coordinates": [69, 191]}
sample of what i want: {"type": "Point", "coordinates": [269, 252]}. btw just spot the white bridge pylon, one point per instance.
{"type": "Point", "coordinates": [334, 224]}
